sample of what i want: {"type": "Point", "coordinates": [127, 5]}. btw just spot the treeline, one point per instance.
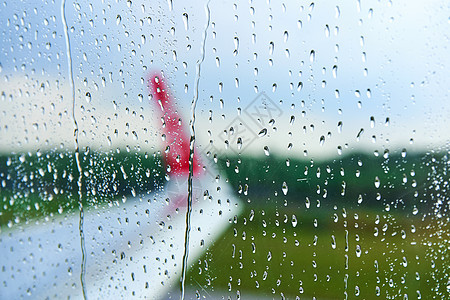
{"type": "Point", "coordinates": [393, 181]}
{"type": "Point", "coordinates": [41, 183]}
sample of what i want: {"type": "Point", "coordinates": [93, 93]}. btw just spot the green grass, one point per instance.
{"type": "Point", "coordinates": [267, 255]}
{"type": "Point", "coordinates": [390, 244]}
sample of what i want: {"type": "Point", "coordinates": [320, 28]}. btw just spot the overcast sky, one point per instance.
{"type": "Point", "coordinates": [309, 67]}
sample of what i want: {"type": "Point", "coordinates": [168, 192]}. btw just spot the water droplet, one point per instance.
{"type": "Point", "coordinates": [263, 132]}
{"type": "Point", "coordinates": [287, 53]}
{"type": "Point", "coordinates": [271, 48]}
{"type": "Point", "coordinates": [236, 45]}
{"type": "Point", "coordinates": [245, 189]}
{"type": "Point", "coordinates": [338, 12]}
{"type": "Point", "coordinates": [291, 122]}
{"type": "Point", "coordinates": [322, 140]}
{"type": "Point", "coordinates": [377, 291]}
{"type": "Point", "coordinates": [372, 122]}
{"type": "Point", "coordinates": [239, 143]}
{"type": "Point", "coordinates": [334, 71]}
{"type": "Point", "coordinates": [312, 56]}
{"type": "Point", "coordinates": [174, 55]}
{"type": "Point", "coordinates": [294, 221]}
{"type": "Point", "coordinates": [404, 262]}
{"type": "Point", "coordinates": [403, 234]}
{"type": "Point", "coordinates": [186, 21]}
{"type": "Point", "coordinates": [266, 151]}
{"type": "Point", "coordinates": [358, 136]}
{"type": "Point", "coordinates": [284, 188]}
{"type": "Point", "coordinates": [274, 87]}
{"type": "Point", "coordinates": [333, 242]}
{"type": "Point", "coordinates": [327, 30]}
{"type": "Point", "coordinates": [286, 36]}
{"type": "Point", "coordinates": [357, 290]}
{"type": "Point", "coordinates": [307, 202]}
{"type": "Point", "coordinates": [377, 182]}
{"type": "Point", "coordinates": [118, 19]}
{"type": "Point", "coordinates": [88, 97]}
{"type": "Point", "coordinates": [339, 127]}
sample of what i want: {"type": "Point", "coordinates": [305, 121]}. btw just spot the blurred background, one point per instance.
{"type": "Point", "coordinates": [322, 125]}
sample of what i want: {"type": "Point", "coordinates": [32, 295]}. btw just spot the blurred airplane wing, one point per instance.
{"type": "Point", "coordinates": [135, 248]}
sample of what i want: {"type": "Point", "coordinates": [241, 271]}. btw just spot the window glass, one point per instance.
{"type": "Point", "coordinates": [229, 150]}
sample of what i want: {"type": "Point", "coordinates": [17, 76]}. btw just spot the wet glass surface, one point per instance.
{"type": "Point", "coordinates": [224, 150]}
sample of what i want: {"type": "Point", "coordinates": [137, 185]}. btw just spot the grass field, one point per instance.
{"type": "Point", "coordinates": [394, 244]}
{"type": "Point", "coordinates": [327, 254]}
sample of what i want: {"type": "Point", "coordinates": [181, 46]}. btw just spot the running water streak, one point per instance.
{"type": "Point", "coordinates": [77, 152]}
{"type": "Point", "coordinates": [191, 153]}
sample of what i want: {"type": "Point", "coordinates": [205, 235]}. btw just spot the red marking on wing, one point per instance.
{"type": "Point", "coordinates": [176, 141]}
